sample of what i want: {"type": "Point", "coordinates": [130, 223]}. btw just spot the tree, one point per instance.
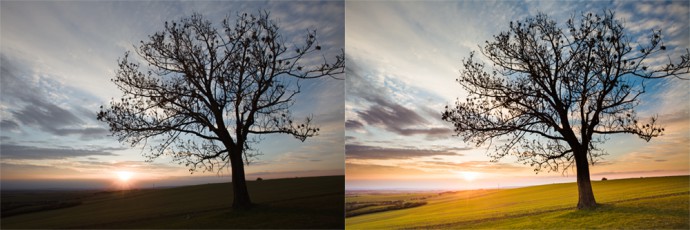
{"type": "Point", "coordinates": [208, 94]}
{"type": "Point", "coordinates": [554, 94]}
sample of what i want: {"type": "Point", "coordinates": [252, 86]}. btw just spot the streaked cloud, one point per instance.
{"type": "Point", "coordinates": [14, 171]}
{"type": "Point", "coordinates": [376, 106]}
{"type": "Point", "coordinates": [30, 100]}
{"type": "Point", "coordinates": [372, 152]}
{"type": "Point", "coordinates": [9, 125]}
{"type": "Point", "coordinates": [474, 166]}
{"type": "Point", "coordinates": [351, 125]}
{"type": "Point", "coordinates": [11, 151]}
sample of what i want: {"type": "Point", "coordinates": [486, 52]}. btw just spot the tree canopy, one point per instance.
{"type": "Point", "coordinates": [207, 93]}
{"type": "Point", "coordinates": [554, 92]}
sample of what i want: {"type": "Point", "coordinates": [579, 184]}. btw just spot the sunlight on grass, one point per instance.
{"type": "Point", "coordinates": [656, 213]}
{"type": "Point", "coordinates": [660, 202]}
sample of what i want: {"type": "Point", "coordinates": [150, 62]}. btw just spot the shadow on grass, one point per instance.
{"type": "Point", "coordinates": [266, 217]}
{"type": "Point", "coordinates": [309, 213]}
{"type": "Point", "coordinates": [647, 215]}
{"type": "Point", "coordinates": [581, 213]}
{"type": "Point", "coordinates": [620, 209]}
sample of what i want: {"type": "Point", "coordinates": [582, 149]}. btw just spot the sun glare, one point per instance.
{"type": "Point", "coordinates": [469, 176]}
{"type": "Point", "coordinates": [124, 175]}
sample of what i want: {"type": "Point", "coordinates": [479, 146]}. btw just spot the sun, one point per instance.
{"type": "Point", "coordinates": [469, 176]}
{"type": "Point", "coordinates": [124, 176]}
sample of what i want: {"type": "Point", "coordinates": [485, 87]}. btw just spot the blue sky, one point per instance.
{"type": "Point", "coordinates": [57, 61]}
{"type": "Point", "coordinates": [404, 57]}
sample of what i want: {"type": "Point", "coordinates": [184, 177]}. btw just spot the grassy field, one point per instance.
{"type": "Point", "coordinates": [316, 202]}
{"type": "Point", "coordinates": [646, 203]}
{"type": "Point", "coordinates": [362, 203]}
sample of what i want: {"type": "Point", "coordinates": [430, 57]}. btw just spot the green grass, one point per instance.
{"type": "Point", "coordinates": [629, 203]}
{"type": "Point", "coordinates": [316, 202]}
{"type": "Point", "coordinates": [361, 203]}
{"type": "Point", "coordinates": [659, 213]}
{"type": "Point", "coordinates": [377, 197]}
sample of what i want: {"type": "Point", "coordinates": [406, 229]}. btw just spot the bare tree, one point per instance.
{"type": "Point", "coordinates": [207, 93]}
{"type": "Point", "coordinates": [554, 94]}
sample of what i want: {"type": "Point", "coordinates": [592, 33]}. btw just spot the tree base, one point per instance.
{"type": "Point", "coordinates": [242, 206]}
{"type": "Point", "coordinates": [587, 206]}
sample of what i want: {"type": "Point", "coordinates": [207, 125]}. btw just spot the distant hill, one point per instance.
{"type": "Point", "coordinates": [312, 202]}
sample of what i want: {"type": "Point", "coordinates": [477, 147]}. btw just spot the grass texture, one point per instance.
{"type": "Point", "coordinates": [660, 202]}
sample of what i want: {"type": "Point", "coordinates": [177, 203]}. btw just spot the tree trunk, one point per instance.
{"type": "Point", "coordinates": [584, 184]}
{"type": "Point", "coordinates": [241, 199]}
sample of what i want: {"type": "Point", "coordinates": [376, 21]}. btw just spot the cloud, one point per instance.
{"type": "Point", "coordinates": [14, 83]}
{"type": "Point", "coordinates": [31, 102]}
{"type": "Point", "coordinates": [22, 152]}
{"type": "Point", "coordinates": [481, 166]}
{"type": "Point", "coordinates": [374, 106]}
{"type": "Point", "coordinates": [9, 125]}
{"type": "Point", "coordinates": [371, 152]}
{"type": "Point", "coordinates": [350, 138]}
{"type": "Point", "coordinates": [672, 16]}
{"type": "Point", "coordinates": [431, 133]}
{"type": "Point", "coordinates": [369, 171]}
{"type": "Point", "coordinates": [45, 116]}
{"type": "Point", "coordinates": [88, 133]}
{"type": "Point", "coordinates": [354, 125]}
{"type": "Point", "coordinates": [84, 169]}
{"type": "Point", "coordinates": [391, 115]}
{"type": "Point", "coordinates": [12, 171]}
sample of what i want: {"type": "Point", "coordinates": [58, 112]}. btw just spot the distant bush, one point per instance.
{"type": "Point", "coordinates": [358, 208]}
{"type": "Point", "coordinates": [17, 208]}
{"type": "Point", "coordinates": [603, 179]}
{"type": "Point", "coordinates": [259, 179]}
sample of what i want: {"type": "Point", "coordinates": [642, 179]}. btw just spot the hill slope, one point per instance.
{"type": "Point", "coordinates": [660, 202]}
{"type": "Point", "coordinates": [316, 202]}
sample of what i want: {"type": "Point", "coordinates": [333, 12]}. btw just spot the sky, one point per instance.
{"type": "Point", "coordinates": [402, 62]}
{"type": "Point", "coordinates": [57, 59]}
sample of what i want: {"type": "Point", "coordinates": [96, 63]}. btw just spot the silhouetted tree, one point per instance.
{"type": "Point", "coordinates": [208, 93]}
{"type": "Point", "coordinates": [554, 93]}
